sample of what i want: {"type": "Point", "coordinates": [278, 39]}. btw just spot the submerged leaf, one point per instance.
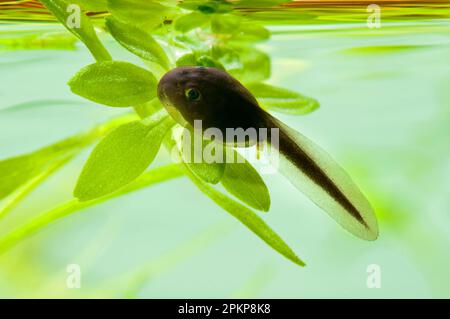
{"type": "Point", "coordinates": [79, 24]}
{"type": "Point", "coordinates": [121, 157]}
{"type": "Point", "coordinates": [243, 181]}
{"type": "Point", "coordinates": [137, 41]}
{"type": "Point", "coordinates": [282, 100]}
{"type": "Point", "coordinates": [114, 83]}
{"type": "Point", "coordinates": [250, 219]}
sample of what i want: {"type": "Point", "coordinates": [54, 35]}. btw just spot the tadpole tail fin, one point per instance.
{"type": "Point", "coordinates": [312, 171]}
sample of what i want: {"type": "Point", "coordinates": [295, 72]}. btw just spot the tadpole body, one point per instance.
{"type": "Point", "coordinates": [220, 101]}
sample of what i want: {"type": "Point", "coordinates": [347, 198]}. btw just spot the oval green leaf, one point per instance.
{"type": "Point", "coordinates": [137, 41]}
{"type": "Point", "coordinates": [114, 83]}
{"type": "Point", "coordinates": [121, 157]}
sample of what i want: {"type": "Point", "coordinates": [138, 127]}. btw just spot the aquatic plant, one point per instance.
{"type": "Point", "coordinates": [203, 33]}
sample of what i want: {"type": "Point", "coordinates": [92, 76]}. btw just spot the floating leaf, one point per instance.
{"type": "Point", "coordinates": [79, 24]}
{"type": "Point", "coordinates": [282, 100]}
{"type": "Point", "coordinates": [137, 41]}
{"type": "Point", "coordinates": [250, 219]}
{"type": "Point", "coordinates": [187, 22]}
{"type": "Point", "coordinates": [243, 181]}
{"type": "Point", "coordinates": [121, 157]}
{"type": "Point", "coordinates": [114, 83]}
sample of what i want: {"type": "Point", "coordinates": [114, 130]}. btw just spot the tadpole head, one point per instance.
{"type": "Point", "coordinates": [182, 92]}
{"type": "Point", "coordinates": [209, 95]}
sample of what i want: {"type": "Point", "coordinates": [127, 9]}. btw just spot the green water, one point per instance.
{"type": "Point", "coordinates": [385, 115]}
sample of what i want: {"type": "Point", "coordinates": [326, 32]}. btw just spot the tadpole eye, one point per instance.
{"type": "Point", "coordinates": [192, 94]}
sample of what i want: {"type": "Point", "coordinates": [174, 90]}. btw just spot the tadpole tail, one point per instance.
{"type": "Point", "coordinates": [312, 171]}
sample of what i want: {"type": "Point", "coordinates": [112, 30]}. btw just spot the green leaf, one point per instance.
{"type": "Point", "coordinates": [79, 24]}
{"type": "Point", "coordinates": [137, 41]}
{"type": "Point", "coordinates": [188, 22]}
{"type": "Point", "coordinates": [147, 13]}
{"type": "Point", "coordinates": [114, 83]}
{"type": "Point", "coordinates": [282, 100]}
{"type": "Point", "coordinates": [243, 181]}
{"type": "Point", "coordinates": [121, 157]}
{"type": "Point", "coordinates": [250, 219]}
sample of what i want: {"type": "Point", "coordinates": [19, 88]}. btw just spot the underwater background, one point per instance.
{"type": "Point", "coordinates": [384, 115]}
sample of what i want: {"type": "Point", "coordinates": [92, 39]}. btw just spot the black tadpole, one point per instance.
{"type": "Point", "coordinates": [220, 101]}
